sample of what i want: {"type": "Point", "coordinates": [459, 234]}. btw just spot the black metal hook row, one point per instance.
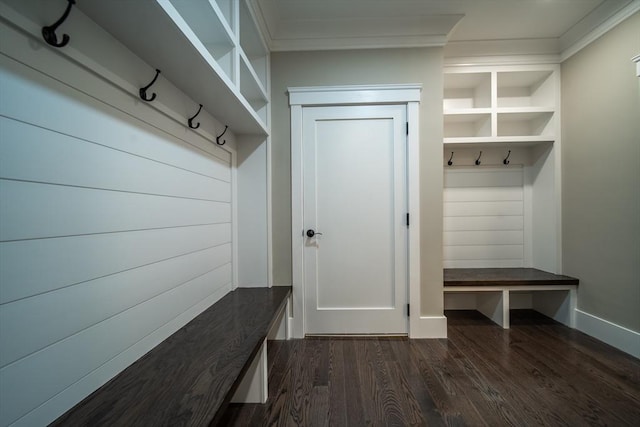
{"type": "Point", "coordinates": [505, 161]}
{"type": "Point", "coordinates": [49, 32]}
{"type": "Point", "coordinates": [190, 121]}
{"type": "Point", "coordinates": [143, 90]}
{"type": "Point", "coordinates": [220, 136]}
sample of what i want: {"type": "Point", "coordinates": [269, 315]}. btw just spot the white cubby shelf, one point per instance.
{"type": "Point", "coordinates": [212, 50]}
{"type": "Point", "coordinates": [485, 105]}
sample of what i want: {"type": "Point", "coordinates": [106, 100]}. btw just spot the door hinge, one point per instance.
{"type": "Point", "coordinates": [408, 310]}
{"type": "Point", "coordinates": [407, 219]}
{"type": "Point", "coordinates": [407, 128]}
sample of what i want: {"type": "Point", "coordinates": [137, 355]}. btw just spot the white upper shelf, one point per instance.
{"type": "Point", "coordinates": [196, 48]}
{"type": "Point", "coordinates": [497, 104]}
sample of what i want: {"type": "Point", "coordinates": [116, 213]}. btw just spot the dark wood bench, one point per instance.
{"type": "Point", "coordinates": [190, 378]}
{"type": "Point", "coordinates": [554, 295]}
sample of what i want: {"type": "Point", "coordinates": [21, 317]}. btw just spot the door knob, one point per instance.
{"type": "Point", "coordinates": [311, 233]}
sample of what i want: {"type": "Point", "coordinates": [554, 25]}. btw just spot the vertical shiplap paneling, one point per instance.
{"type": "Point", "coordinates": [483, 218]}
{"type": "Point", "coordinates": [112, 235]}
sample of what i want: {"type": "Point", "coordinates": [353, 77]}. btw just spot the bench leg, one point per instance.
{"type": "Point", "coordinates": [254, 387]}
{"type": "Point", "coordinates": [495, 305]}
{"type": "Point", "coordinates": [288, 317]}
{"type": "Point", "coordinates": [559, 305]}
{"type": "Point", "coordinates": [281, 329]}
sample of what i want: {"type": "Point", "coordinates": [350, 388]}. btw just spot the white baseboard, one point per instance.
{"type": "Point", "coordinates": [615, 335]}
{"type": "Point", "coordinates": [428, 327]}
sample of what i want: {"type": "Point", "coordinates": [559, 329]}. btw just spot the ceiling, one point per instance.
{"type": "Point", "coordinates": [463, 27]}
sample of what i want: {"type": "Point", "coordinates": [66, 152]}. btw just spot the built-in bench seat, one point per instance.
{"type": "Point", "coordinates": [189, 379]}
{"type": "Point", "coordinates": [552, 294]}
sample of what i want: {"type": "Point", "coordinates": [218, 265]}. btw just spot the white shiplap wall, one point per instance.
{"type": "Point", "coordinates": [115, 230]}
{"type": "Point", "coordinates": [484, 217]}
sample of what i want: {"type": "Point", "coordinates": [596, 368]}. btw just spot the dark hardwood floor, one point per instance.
{"type": "Point", "coordinates": [537, 373]}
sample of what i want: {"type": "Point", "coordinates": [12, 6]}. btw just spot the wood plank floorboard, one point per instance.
{"type": "Point", "coordinates": [538, 373]}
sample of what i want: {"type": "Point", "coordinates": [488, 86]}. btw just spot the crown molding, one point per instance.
{"type": "Point", "coordinates": [261, 18]}
{"type": "Point", "coordinates": [497, 48]}
{"type": "Point", "coordinates": [315, 35]}
{"type": "Point", "coordinates": [344, 34]}
{"type": "Point", "coordinates": [600, 30]}
{"type": "Point", "coordinates": [347, 43]}
{"type": "Point", "coordinates": [524, 59]}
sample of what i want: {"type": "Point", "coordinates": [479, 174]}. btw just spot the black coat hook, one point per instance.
{"type": "Point", "coordinates": [478, 159]}
{"type": "Point", "coordinates": [49, 32]}
{"type": "Point", "coordinates": [219, 136]}
{"type": "Point", "coordinates": [143, 90]}
{"type": "Point", "coordinates": [506, 159]}
{"type": "Point", "coordinates": [194, 116]}
{"type": "Point", "coordinates": [450, 162]}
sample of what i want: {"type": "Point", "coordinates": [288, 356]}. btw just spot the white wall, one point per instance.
{"type": "Point", "coordinates": [115, 218]}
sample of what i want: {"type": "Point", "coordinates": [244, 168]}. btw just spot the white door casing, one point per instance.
{"type": "Point", "coordinates": [301, 98]}
{"type": "Point", "coordinates": [354, 172]}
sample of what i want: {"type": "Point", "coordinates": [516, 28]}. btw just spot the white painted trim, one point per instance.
{"type": "Point", "coordinates": [428, 327]}
{"type": "Point", "coordinates": [235, 257]}
{"type": "Point", "coordinates": [557, 174]}
{"type": "Point", "coordinates": [288, 319]}
{"type": "Point", "coordinates": [408, 94]}
{"type": "Point", "coordinates": [269, 180]}
{"type": "Point", "coordinates": [494, 301]}
{"type": "Point", "coordinates": [261, 22]}
{"type": "Point", "coordinates": [615, 335]}
{"type": "Point", "coordinates": [418, 328]}
{"type": "Point", "coordinates": [354, 95]}
{"type": "Point", "coordinates": [297, 273]}
{"type": "Point", "coordinates": [636, 59]}
{"type": "Point", "coordinates": [501, 60]}
{"type": "Point", "coordinates": [499, 288]}
{"type": "Point", "coordinates": [349, 43]}
{"type": "Point", "coordinates": [601, 30]}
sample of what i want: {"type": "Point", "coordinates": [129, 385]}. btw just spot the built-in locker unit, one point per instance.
{"type": "Point", "coordinates": [501, 162]}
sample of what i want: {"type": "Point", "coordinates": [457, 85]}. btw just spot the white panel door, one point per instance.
{"type": "Point", "coordinates": [355, 265]}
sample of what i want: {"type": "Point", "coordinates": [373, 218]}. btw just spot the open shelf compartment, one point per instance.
{"type": "Point", "coordinates": [467, 125]}
{"type": "Point", "coordinates": [467, 90]}
{"type": "Point", "coordinates": [252, 90]}
{"type": "Point", "coordinates": [532, 124]}
{"type": "Point", "coordinates": [201, 19]}
{"type": "Point", "coordinates": [253, 45]}
{"type": "Point", "coordinates": [525, 89]}
{"type": "Point", "coordinates": [226, 10]}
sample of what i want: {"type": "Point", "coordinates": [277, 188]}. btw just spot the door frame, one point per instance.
{"type": "Point", "coordinates": [300, 97]}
